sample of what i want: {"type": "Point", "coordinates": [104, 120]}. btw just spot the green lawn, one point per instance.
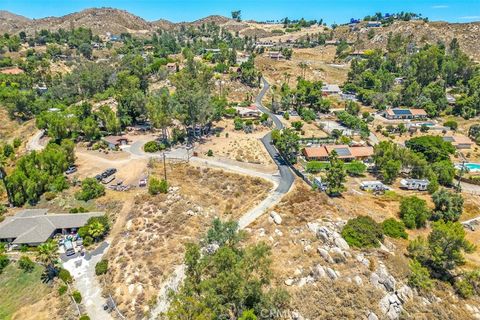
{"type": "Point", "coordinates": [18, 288]}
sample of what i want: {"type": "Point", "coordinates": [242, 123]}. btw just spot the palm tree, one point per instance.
{"type": "Point", "coordinates": [47, 253]}
{"type": "Point", "coordinates": [96, 229]}
{"type": "Point", "coordinates": [303, 66]}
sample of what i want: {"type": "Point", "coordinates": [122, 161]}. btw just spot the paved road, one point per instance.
{"type": "Point", "coordinates": [286, 175]}
{"type": "Point", "coordinates": [283, 186]}
{"type": "Point", "coordinates": [83, 271]}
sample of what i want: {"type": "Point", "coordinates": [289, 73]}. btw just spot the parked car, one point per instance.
{"type": "Point", "coordinates": [71, 169]}
{"type": "Point", "coordinates": [142, 183]}
{"type": "Point", "coordinates": [69, 250]}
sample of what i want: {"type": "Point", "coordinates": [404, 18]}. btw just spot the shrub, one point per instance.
{"type": "Point", "coordinates": [26, 264]}
{"type": "Point", "coordinates": [17, 143]}
{"type": "Point", "coordinates": [297, 125]}
{"type": "Point", "coordinates": [419, 276]}
{"type": "Point", "coordinates": [101, 267]}
{"type": "Point", "coordinates": [394, 228]}
{"type": "Point", "coordinates": [210, 153]}
{"type": "Point", "coordinates": [3, 209]}
{"type": "Point", "coordinates": [355, 168]}
{"type": "Point", "coordinates": [448, 205]}
{"type": "Point", "coordinates": [452, 124]}
{"type": "Point", "coordinates": [62, 289]}
{"type": "Point", "coordinates": [91, 189]}
{"type": "Point", "coordinates": [49, 196]}
{"type": "Point", "coordinates": [156, 186]}
{"type": "Point", "coordinates": [76, 295]}
{"type": "Point", "coordinates": [238, 123]}
{"type": "Point", "coordinates": [414, 212]}
{"type": "Point", "coordinates": [84, 317]}
{"type": "Point", "coordinates": [78, 210]}
{"type": "Point", "coordinates": [363, 232]}
{"type": "Point", "coordinates": [153, 146]}
{"type": "Point", "coordinates": [65, 275]}
{"type": "Point", "coordinates": [4, 261]}
{"type": "Point", "coordinates": [286, 116]}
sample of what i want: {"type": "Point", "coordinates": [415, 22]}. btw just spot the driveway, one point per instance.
{"type": "Point", "coordinates": [34, 143]}
{"type": "Point", "coordinates": [82, 270]}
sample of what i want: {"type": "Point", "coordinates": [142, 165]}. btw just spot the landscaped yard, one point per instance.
{"type": "Point", "coordinates": [20, 289]}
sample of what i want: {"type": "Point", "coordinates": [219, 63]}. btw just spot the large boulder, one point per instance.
{"type": "Point", "coordinates": [276, 217]}
{"type": "Point", "coordinates": [325, 255]}
{"type": "Point", "coordinates": [405, 293]}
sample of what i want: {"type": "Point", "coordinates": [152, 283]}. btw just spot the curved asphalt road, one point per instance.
{"type": "Point", "coordinates": [286, 175]}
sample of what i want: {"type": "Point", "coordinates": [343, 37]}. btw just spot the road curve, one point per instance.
{"type": "Point", "coordinates": [284, 185]}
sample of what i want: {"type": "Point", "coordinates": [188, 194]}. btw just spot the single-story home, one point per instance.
{"type": "Point", "coordinates": [374, 24]}
{"type": "Point", "coordinates": [372, 185]}
{"type": "Point", "coordinates": [459, 141]}
{"type": "Point", "coordinates": [414, 184]}
{"type": "Point", "coordinates": [248, 112]}
{"type": "Point", "coordinates": [115, 141]}
{"type": "Point", "coordinates": [328, 89]}
{"type": "Point", "coordinates": [403, 114]}
{"type": "Point", "coordinates": [344, 152]}
{"type": "Point", "coordinates": [34, 226]}
{"type": "Point", "coordinates": [276, 55]}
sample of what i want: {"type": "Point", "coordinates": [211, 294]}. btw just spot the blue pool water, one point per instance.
{"type": "Point", "coordinates": [473, 166]}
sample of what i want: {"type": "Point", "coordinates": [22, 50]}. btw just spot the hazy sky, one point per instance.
{"type": "Point", "coordinates": [187, 10]}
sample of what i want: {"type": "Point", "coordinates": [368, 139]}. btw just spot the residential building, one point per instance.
{"type": "Point", "coordinates": [374, 24]}
{"type": "Point", "coordinates": [414, 184]}
{"type": "Point", "coordinates": [372, 185]}
{"type": "Point", "coordinates": [344, 152]}
{"type": "Point", "coordinates": [459, 141]}
{"type": "Point", "coordinates": [329, 89]}
{"type": "Point", "coordinates": [275, 55]}
{"type": "Point", "coordinates": [404, 114]}
{"type": "Point", "coordinates": [248, 112]}
{"type": "Point", "coordinates": [114, 142]}
{"type": "Point", "coordinates": [34, 226]}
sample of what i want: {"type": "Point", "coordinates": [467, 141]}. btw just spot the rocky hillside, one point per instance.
{"type": "Point", "coordinates": [468, 34]}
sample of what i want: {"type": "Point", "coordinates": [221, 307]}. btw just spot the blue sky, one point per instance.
{"type": "Point", "coordinates": [187, 10]}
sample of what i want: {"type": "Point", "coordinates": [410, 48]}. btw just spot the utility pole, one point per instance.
{"type": "Point", "coordinates": [164, 167]}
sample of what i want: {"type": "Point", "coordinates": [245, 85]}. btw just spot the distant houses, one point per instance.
{"type": "Point", "coordinates": [404, 114]}
{"type": "Point", "coordinates": [34, 226]}
{"type": "Point", "coordinates": [344, 152]}
{"type": "Point", "coordinates": [276, 55]}
{"type": "Point", "coordinates": [374, 24]}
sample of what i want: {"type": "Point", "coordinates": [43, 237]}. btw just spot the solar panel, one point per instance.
{"type": "Point", "coordinates": [400, 112]}
{"type": "Point", "coordinates": [342, 152]}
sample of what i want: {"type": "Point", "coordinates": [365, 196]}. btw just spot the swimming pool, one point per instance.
{"type": "Point", "coordinates": [471, 166]}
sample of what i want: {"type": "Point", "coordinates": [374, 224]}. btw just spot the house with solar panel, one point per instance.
{"type": "Point", "coordinates": [405, 114]}
{"type": "Point", "coordinates": [344, 152]}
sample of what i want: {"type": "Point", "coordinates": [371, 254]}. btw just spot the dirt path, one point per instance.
{"type": "Point", "coordinates": [282, 186]}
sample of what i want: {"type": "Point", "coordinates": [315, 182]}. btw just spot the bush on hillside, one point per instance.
{"type": "Point", "coordinates": [363, 232]}
{"type": "Point", "coordinates": [26, 264]}
{"type": "Point", "coordinates": [394, 228]}
{"type": "Point", "coordinates": [101, 267]}
{"type": "Point", "coordinates": [91, 189]}
{"type": "Point", "coordinates": [156, 186]}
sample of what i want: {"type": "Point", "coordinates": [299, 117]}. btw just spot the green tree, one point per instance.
{"type": "Point", "coordinates": [445, 172]}
{"type": "Point", "coordinates": [448, 205]}
{"type": "Point", "coordinates": [91, 189]}
{"type": "Point", "coordinates": [47, 253]}
{"type": "Point", "coordinates": [363, 232]}
{"type": "Point", "coordinates": [26, 264]}
{"type": "Point", "coordinates": [419, 276]}
{"type": "Point", "coordinates": [414, 212]}
{"type": "Point", "coordinates": [394, 228]}
{"type": "Point", "coordinates": [336, 175]}
{"type": "Point", "coordinates": [156, 186]}
{"type": "Point", "coordinates": [432, 147]}
{"type": "Point", "coordinates": [355, 168]}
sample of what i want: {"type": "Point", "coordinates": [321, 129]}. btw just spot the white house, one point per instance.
{"type": "Point", "coordinates": [414, 184]}
{"type": "Point", "coordinates": [372, 185]}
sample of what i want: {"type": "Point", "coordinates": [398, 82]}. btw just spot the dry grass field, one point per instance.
{"type": "Point", "coordinates": [157, 228]}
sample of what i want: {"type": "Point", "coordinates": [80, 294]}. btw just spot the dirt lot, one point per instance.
{"type": "Point", "coordinates": [237, 145]}
{"type": "Point", "coordinates": [152, 242]}
{"type": "Point", "coordinates": [320, 66]}
{"type": "Point", "coordinates": [10, 129]}
{"type": "Point", "coordinates": [91, 163]}
{"type": "Point", "coordinates": [308, 129]}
